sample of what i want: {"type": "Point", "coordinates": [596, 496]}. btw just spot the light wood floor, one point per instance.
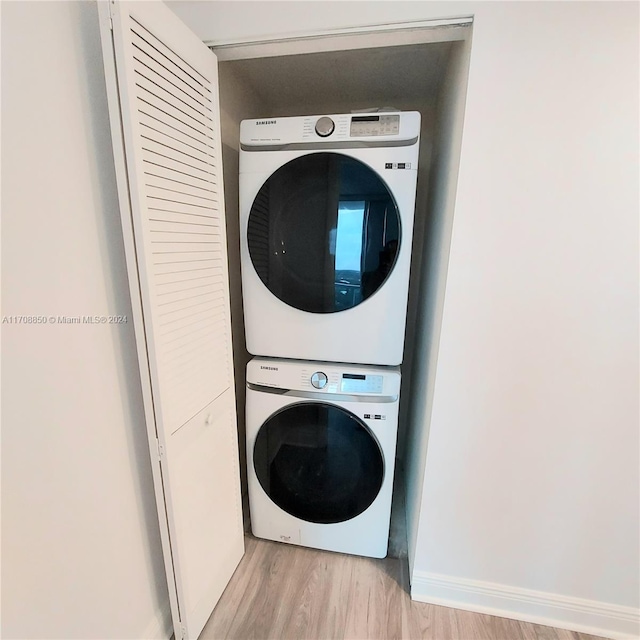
{"type": "Point", "coordinates": [284, 592]}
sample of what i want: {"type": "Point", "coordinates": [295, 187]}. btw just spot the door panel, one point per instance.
{"type": "Point", "coordinates": [163, 95]}
{"type": "Point", "coordinates": [323, 233]}
{"type": "Point", "coordinates": [203, 454]}
{"type": "Point", "coordinates": [318, 462]}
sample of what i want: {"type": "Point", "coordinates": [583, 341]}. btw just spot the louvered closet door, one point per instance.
{"type": "Point", "coordinates": [167, 131]}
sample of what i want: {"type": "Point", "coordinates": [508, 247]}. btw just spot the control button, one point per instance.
{"type": "Point", "coordinates": [325, 127]}
{"type": "Point", "coordinates": [319, 380]}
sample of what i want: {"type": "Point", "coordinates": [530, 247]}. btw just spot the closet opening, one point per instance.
{"type": "Point", "coordinates": [410, 67]}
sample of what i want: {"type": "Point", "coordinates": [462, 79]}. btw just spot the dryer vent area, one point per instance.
{"type": "Point", "coordinates": [421, 70]}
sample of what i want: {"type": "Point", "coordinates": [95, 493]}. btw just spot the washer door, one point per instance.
{"type": "Point", "coordinates": [323, 233]}
{"type": "Point", "coordinates": [318, 462]}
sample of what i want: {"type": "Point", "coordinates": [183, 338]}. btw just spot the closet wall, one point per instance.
{"type": "Point", "coordinates": [429, 276]}
{"type": "Point", "coordinates": [238, 100]}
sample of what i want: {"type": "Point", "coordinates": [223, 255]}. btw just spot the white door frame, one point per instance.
{"type": "Point", "coordinates": [365, 37]}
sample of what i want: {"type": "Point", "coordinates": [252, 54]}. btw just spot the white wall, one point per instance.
{"type": "Point", "coordinates": [81, 555]}
{"type": "Point", "coordinates": [531, 484]}
{"type": "Point", "coordinates": [532, 470]}
{"type": "Point", "coordinates": [218, 21]}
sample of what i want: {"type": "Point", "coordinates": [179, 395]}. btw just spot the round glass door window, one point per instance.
{"type": "Point", "coordinates": [318, 462]}
{"type": "Point", "coordinates": [323, 233]}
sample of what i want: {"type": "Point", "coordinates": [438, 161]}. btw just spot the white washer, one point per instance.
{"type": "Point", "coordinates": [326, 219]}
{"type": "Point", "coordinates": [321, 442]}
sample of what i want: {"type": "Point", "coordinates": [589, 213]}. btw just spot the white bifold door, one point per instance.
{"type": "Point", "coordinates": [165, 120]}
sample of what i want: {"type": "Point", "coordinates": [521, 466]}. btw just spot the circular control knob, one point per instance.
{"type": "Point", "coordinates": [319, 380]}
{"type": "Point", "coordinates": [325, 127]}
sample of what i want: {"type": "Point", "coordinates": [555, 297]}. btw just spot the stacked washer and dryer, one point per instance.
{"type": "Point", "coordinates": [326, 218]}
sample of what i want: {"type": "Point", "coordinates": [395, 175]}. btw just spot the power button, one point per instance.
{"type": "Point", "coordinates": [319, 380]}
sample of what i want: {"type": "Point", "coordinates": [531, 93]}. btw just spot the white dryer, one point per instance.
{"type": "Point", "coordinates": [321, 442]}
{"type": "Point", "coordinates": [326, 218]}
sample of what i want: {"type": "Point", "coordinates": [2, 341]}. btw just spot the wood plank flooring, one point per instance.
{"type": "Point", "coordinates": [285, 592]}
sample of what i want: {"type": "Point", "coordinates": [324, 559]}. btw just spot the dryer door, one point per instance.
{"type": "Point", "coordinates": [323, 233]}
{"type": "Point", "coordinates": [318, 462]}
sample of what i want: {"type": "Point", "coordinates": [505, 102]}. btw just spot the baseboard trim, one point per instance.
{"type": "Point", "coordinates": [575, 614]}
{"type": "Point", "coordinates": [161, 627]}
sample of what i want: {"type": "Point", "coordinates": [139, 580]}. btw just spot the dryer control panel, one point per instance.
{"type": "Point", "coordinates": [397, 128]}
{"type": "Point", "coordinates": [324, 377]}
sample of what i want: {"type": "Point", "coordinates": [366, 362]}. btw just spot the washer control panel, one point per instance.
{"type": "Point", "coordinates": [319, 380]}
{"type": "Point", "coordinates": [324, 378]}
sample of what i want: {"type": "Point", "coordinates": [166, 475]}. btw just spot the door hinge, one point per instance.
{"type": "Point", "coordinates": [160, 450]}
{"type": "Point", "coordinates": [111, 15]}
{"type": "Point", "coordinates": [183, 632]}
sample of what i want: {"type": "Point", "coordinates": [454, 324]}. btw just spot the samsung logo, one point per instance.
{"type": "Point", "coordinates": [269, 368]}
{"type": "Point", "coordinates": [266, 122]}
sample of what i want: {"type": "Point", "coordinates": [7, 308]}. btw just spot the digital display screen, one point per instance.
{"type": "Point", "coordinates": [378, 125]}
{"type": "Point", "coordinates": [360, 383]}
